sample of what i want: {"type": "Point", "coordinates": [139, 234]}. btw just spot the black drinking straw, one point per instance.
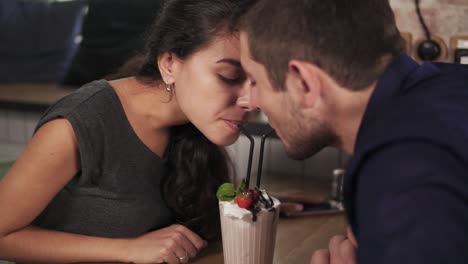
{"type": "Point", "coordinates": [260, 159]}
{"type": "Point", "coordinates": [249, 166]}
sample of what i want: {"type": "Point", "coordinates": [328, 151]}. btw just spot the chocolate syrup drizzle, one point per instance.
{"type": "Point", "coordinates": [267, 203]}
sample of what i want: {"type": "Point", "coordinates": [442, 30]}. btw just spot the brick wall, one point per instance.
{"type": "Point", "coordinates": [444, 18]}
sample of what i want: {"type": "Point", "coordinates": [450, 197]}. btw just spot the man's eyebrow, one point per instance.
{"type": "Point", "coordinates": [233, 62]}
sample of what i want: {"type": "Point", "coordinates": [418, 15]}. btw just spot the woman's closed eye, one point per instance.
{"type": "Point", "coordinates": [232, 80]}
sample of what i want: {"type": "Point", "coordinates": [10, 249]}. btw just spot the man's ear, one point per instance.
{"type": "Point", "coordinates": [166, 67]}
{"type": "Point", "coordinates": [303, 78]}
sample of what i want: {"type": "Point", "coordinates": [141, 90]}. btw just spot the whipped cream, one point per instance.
{"type": "Point", "coordinates": [231, 208]}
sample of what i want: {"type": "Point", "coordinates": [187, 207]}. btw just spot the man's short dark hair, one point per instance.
{"type": "Point", "coordinates": [350, 40]}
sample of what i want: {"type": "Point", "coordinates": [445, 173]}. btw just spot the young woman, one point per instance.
{"type": "Point", "coordinates": [127, 170]}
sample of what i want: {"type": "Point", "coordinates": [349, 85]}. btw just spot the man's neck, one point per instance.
{"type": "Point", "coordinates": [347, 112]}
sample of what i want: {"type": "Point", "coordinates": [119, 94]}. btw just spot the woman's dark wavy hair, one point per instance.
{"type": "Point", "coordinates": [198, 165]}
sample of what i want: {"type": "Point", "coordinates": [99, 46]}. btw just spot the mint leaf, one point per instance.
{"type": "Point", "coordinates": [226, 192]}
{"type": "Point", "coordinates": [241, 189]}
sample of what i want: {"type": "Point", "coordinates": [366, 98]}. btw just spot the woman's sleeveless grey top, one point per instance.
{"type": "Point", "coordinates": [117, 192]}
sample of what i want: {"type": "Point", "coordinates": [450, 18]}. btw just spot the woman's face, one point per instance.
{"type": "Point", "coordinates": [208, 88]}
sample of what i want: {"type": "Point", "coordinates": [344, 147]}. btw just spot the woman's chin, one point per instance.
{"type": "Point", "coordinates": [224, 140]}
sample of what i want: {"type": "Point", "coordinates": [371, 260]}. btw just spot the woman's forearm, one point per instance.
{"type": "Point", "coordinates": [32, 244]}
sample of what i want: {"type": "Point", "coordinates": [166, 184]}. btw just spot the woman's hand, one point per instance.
{"type": "Point", "coordinates": [341, 250]}
{"type": "Point", "coordinates": [166, 245]}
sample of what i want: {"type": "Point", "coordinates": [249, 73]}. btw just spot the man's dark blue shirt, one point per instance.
{"type": "Point", "coordinates": [406, 188]}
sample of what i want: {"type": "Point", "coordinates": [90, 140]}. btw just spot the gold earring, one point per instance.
{"type": "Point", "coordinates": [169, 87]}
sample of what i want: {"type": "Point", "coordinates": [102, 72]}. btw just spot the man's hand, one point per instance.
{"type": "Point", "coordinates": [341, 250]}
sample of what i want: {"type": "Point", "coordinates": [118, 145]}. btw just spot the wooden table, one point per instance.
{"type": "Point", "coordinates": [296, 239]}
{"type": "Point", "coordinates": [33, 93]}
{"type": "Point", "coordinates": [39, 95]}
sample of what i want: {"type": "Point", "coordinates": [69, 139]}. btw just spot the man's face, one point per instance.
{"type": "Point", "coordinates": [303, 133]}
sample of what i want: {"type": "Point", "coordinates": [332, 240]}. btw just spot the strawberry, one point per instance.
{"type": "Point", "coordinates": [244, 200]}
{"type": "Point", "coordinates": [254, 195]}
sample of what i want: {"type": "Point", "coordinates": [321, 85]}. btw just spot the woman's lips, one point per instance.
{"type": "Point", "coordinates": [234, 125]}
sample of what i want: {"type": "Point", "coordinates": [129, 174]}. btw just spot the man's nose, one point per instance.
{"type": "Point", "coordinates": [245, 100]}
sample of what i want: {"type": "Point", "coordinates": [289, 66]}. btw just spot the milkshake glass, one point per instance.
{"type": "Point", "coordinates": [246, 241]}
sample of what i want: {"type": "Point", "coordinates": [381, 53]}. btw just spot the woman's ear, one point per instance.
{"type": "Point", "coordinates": [166, 67]}
{"type": "Point", "coordinates": [304, 82]}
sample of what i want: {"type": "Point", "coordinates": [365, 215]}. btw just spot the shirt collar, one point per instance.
{"type": "Point", "coordinates": [390, 82]}
{"type": "Point", "coordinates": [402, 74]}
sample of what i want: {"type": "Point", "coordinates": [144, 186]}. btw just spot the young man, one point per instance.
{"type": "Point", "coordinates": [333, 73]}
